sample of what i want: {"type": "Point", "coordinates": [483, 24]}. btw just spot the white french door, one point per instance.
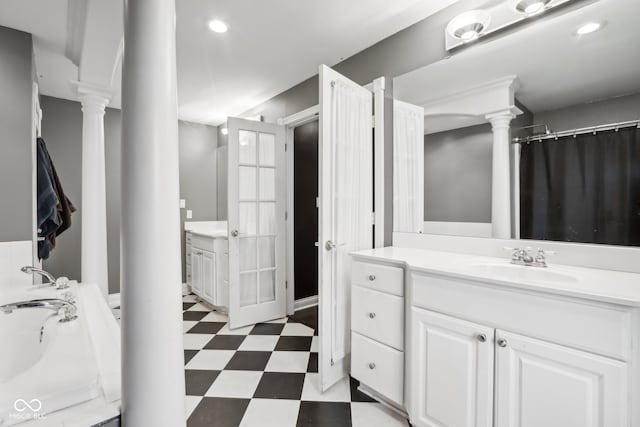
{"type": "Point", "coordinates": [256, 221]}
{"type": "Point", "coordinates": [346, 211]}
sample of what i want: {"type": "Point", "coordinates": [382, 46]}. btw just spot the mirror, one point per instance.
{"type": "Point", "coordinates": [531, 133]}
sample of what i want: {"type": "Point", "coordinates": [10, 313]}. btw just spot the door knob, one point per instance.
{"type": "Point", "coordinates": [502, 342]}
{"type": "Point", "coordinates": [482, 337]}
{"type": "Point", "coordinates": [234, 233]}
{"type": "Point", "coordinates": [329, 245]}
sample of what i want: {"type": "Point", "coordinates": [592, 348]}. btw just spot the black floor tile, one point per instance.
{"type": "Point", "coordinates": [249, 361]}
{"type": "Point", "coordinates": [197, 381]}
{"type": "Point", "coordinates": [280, 385]}
{"type": "Point", "coordinates": [206, 328]}
{"type": "Point", "coordinates": [320, 414]}
{"type": "Point", "coordinates": [187, 305]}
{"type": "Point", "coordinates": [194, 315]}
{"type": "Point", "coordinates": [356, 395]}
{"type": "Point", "coordinates": [225, 342]}
{"type": "Point", "coordinates": [307, 316]}
{"type": "Point", "coordinates": [188, 355]}
{"type": "Point", "coordinates": [313, 362]}
{"type": "Point", "coordinates": [294, 344]}
{"type": "Point", "coordinates": [267, 329]}
{"type": "Point", "coordinates": [218, 412]}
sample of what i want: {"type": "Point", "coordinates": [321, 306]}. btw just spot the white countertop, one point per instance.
{"type": "Point", "coordinates": [207, 228]}
{"type": "Point", "coordinates": [594, 284]}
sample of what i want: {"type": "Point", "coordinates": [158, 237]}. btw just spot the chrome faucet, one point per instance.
{"type": "Point", "coordinates": [59, 283]}
{"type": "Point", "coordinates": [523, 257]}
{"type": "Point", "coordinates": [66, 309]}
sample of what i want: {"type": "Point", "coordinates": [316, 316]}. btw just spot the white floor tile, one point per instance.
{"type": "Point", "coordinates": [214, 316]}
{"type": "Point", "coordinates": [189, 298]}
{"type": "Point", "coordinates": [190, 403]}
{"type": "Point", "coordinates": [210, 359]}
{"type": "Point", "coordinates": [239, 331]}
{"type": "Point", "coordinates": [288, 361]}
{"type": "Point", "coordinates": [339, 392]}
{"type": "Point", "coordinates": [198, 307]}
{"type": "Point", "coordinates": [238, 384]}
{"type": "Point", "coordinates": [259, 343]}
{"type": "Point", "coordinates": [271, 413]}
{"type": "Point", "coordinates": [187, 324]}
{"type": "Point", "coordinates": [195, 341]}
{"type": "Point", "coordinates": [283, 320]}
{"type": "Point", "coordinates": [314, 344]}
{"type": "Point", "coordinates": [297, 329]}
{"type": "Point", "coordinates": [374, 415]}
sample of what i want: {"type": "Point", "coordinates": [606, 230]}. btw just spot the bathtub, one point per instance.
{"type": "Point", "coordinates": [45, 365]}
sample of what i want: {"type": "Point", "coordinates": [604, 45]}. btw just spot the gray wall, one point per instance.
{"type": "Point", "coordinates": [16, 78]}
{"type": "Point", "coordinates": [62, 130]}
{"type": "Point", "coordinates": [619, 109]}
{"type": "Point", "coordinates": [411, 48]}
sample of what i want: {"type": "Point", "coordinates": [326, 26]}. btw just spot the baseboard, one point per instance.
{"type": "Point", "coordinates": [303, 303]}
{"type": "Point", "coordinates": [113, 300]}
{"type": "Point", "coordinates": [186, 289]}
{"type": "Point", "coordinates": [382, 400]}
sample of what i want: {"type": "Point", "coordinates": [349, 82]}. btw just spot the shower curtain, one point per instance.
{"type": "Point", "coordinates": [353, 199]}
{"type": "Point", "coordinates": [582, 188]}
{"type": "Point", "coordinates": [408, 167]}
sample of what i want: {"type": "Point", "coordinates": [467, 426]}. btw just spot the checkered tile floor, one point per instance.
{"type": "Point", "coordinates": [265, 375]}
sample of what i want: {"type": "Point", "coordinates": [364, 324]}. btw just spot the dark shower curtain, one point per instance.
{"type": "Point", "coordinates": [582, 189]}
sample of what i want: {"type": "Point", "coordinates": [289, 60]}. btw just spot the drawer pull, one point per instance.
{"type": "Point", "coordinates": [372, 277]}
{"type": "Point", "coordinates": [372, 315]}
{"type": "Point", "coordinates": [482, 338]}
{"type": "Point", "coordinates": [372, 365]}
{"type": "Point", "coordinates": [502, 342]}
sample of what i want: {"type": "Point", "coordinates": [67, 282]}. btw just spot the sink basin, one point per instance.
{"type": "Point", "coordinates": [521, 272]}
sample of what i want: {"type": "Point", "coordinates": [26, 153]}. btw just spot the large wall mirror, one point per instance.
{"type": "Point", "coordinates": [533, 133]}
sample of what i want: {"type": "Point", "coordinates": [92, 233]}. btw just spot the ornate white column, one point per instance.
{"type": "Point", "coordinates": [152, 356]}
{"type": "Point", "coordinates": [500, 177]}
{"type": "Point", "coordinates": [94, 267]}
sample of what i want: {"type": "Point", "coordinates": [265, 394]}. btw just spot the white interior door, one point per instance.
{"type": "Point", "coordinates": [346, 210]}
{"type": "Point", "coordinates": [256, 220]}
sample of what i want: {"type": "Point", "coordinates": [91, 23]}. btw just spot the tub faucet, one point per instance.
{"type": "Point", "coordinates": [66, 309]}
{"type": "Point", "coordinates": [59, 283]}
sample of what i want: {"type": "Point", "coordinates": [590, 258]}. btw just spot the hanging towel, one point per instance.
{"type": "Point", "coordinates": [54, 208]}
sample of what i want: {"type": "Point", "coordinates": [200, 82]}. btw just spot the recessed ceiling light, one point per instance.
{"type": "Point", "coordinates": [469, 25]}
{"type": "Point", "coordinates": [529, 7]}
{"type": "Point", "coordinates": [588, 28]}
{"type": "Point", "coordinates": [218, 26]}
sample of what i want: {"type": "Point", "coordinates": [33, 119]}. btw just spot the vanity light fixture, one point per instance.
{"type": "Point", "coordinates": [469, 25]}
{"type": "Point", "coordinates": [218, 26]}
{"type": "Point", "coordinates": [529, 7]}
{"type": "Point", "coordinates": [588, 28]}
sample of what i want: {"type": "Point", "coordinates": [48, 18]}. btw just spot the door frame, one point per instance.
{"type": "Point", "coordinates": [290, 123]}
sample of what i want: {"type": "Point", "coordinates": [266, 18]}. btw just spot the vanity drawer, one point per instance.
{"type": "Point", "coordinates": [378, 366]}
{"type": "Point", "coordinates": [382, 278]}
{"type": "Point", "coordinates": [202, 242]}
{"type": "Point", "coordinates": [378, 316]}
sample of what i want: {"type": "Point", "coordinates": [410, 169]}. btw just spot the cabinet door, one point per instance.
{"type": "Point", "coordinates": [209, 276]}
{"type": "Point", "coordinates": [544, 384]}
{"type": "Point", "coordinates": [451, 371]}
{"type": "Point", "coordinates": [196, 271]}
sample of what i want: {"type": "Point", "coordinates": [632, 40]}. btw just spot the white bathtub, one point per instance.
{"type": "Point", "coordinates": [45, 365]}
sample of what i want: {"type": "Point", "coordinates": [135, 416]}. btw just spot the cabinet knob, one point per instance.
{"type": "Point", "coordinates": [372, 315]}
{"type": "Point", "coordinates": [234, 233]}
{"type": "Point", "coordinates": [372, 277]}
{"type": "Point", "coordinates": [482, 338]}
{"type": "Point", "coordinates": [372, 365]}
{"type": "Point", "coordinates": [502, 342]}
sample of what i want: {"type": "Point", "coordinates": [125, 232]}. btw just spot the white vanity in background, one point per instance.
{"type": "Point", "coordinates": [207, 261]}
{"type": "Point", "coordinates": [468, 340]}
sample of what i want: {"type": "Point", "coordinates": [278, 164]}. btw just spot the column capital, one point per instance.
{"type": "Point", "coordinates": [92, 96]}
{"type": "Point", "coordinates": [501, 119]}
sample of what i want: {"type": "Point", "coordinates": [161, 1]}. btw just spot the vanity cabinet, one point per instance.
{"type": "Point", "coordinates": [461, 369]}
{"type": "Point", "coordinates": [207, 268]}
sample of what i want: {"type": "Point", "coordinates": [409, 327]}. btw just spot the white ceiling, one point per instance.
{"type": "Point", "coordinates": [555, 67]}
{"type": "Point", "coordinates": [270, 46]}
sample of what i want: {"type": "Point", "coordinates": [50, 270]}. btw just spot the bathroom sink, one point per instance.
{"type": "Point", "coordinates": [521, 272]}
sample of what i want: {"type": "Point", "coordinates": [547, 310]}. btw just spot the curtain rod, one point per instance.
{"type": "Point", "coordinates": [579, 131]}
